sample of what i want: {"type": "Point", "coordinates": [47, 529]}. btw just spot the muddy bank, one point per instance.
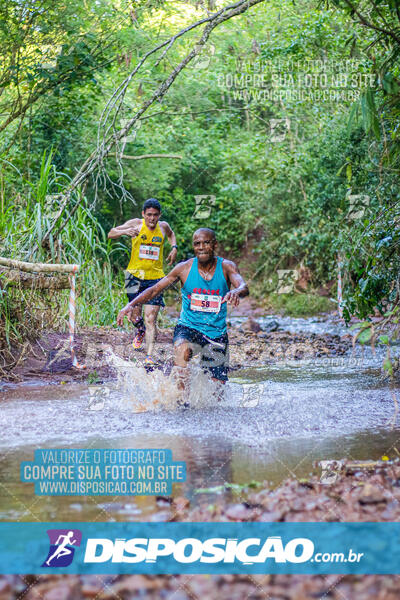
{"type": "Point", "coordinates": [49, 359]}
{"type": "Point", "coordinates": [360, 492]}
{"type": "Point", "coordinates": [356, 491]}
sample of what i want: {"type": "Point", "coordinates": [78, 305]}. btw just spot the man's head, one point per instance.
{"type": "Point", "coordinates": [151, 212]}
{"type": "Point", "coordinates": [204, 244]}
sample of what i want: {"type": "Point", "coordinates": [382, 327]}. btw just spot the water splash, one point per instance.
{"type": "Point", "coordinates": [158, 389]}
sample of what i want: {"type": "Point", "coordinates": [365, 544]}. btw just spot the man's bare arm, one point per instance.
{"type": "Point", "coordinates": [240, 289]}
{"type": "Point", "coordinates": [152, 292]}
{"type": "Point", "coordinates": [172, 240]}
{"type": "Point", "coordinates": [170, 234]}
{"type": "Point", "coordinates": [131, 228]}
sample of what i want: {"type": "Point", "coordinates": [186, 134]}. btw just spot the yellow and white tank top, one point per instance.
{"type": "Point", "coordinates": [147, 253]}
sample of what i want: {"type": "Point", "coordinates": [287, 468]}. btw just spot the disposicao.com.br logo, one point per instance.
{"type": "Point", "coordinates": [191, 550]}
{"type": "Point", "coordinates": [220, 550]}
{"type": "Point", "coordinates": [212, 551]}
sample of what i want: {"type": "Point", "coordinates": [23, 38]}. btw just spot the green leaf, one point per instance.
{"type": "Point", "coordinates": [361, 325]}
{"type": "Point", "coordinates": [388, 366]}
{"type": "Point", "coordinates": [348, 172]}
{"type": "Point", "coordinates": [353, 115]}
{"type": "Point", "coordinates": [365, 336]}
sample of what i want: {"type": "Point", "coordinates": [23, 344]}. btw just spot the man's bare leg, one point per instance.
{"type": "Point", "coordinates": [219, 388]}
{"type": "Point", "coordinates": [182, 354]}
{"type": "Point", "coordinates": [135, 314]}
{"type": "Point", "coordinates": [137, 320]}
{"type": "Point", "coordinates": [150, 319]}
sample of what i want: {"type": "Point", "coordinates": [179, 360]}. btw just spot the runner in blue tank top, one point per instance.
{"type": "Point", "coordinates": [209, 283]}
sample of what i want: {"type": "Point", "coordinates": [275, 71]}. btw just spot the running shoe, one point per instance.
{"type": "Point", "coordinates": [149, 364]}
{"type": "Point", "coordinates": [138, 339]}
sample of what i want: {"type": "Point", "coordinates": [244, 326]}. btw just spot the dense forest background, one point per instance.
{"type": "Point", "coordinates": [282, 133]}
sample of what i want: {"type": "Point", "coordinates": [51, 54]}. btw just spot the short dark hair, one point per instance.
{"type": "Point", "coordinates": [152, 203]}
{"type": "Point", "coordinates": [208, 230]}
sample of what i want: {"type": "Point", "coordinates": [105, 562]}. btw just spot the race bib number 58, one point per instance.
{"type": "Point", "coordinates": [205, 303]}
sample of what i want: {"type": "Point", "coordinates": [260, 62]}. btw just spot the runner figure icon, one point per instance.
{"type": "Point", "coordinates": [62, 547]}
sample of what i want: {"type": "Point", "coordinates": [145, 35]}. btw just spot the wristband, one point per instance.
{"type": "Point", "coordinates": [174, 246]}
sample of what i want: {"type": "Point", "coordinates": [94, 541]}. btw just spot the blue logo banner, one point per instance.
{"type": "Point", "coordinates": [214, 548]}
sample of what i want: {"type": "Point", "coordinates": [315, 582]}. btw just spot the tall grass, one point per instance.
{"type": "Point", "coordinates": [24, 219]}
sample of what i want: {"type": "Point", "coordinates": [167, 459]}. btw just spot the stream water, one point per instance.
{"type": "Point", "coordinates": [273, 422]}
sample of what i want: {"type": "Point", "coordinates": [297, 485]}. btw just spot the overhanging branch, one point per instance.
{"type": "Point", "coordinates": [103, 148]}
{"type": "Point", "coordinates": [143, 156]}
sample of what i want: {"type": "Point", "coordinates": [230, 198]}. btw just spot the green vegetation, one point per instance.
{"type": "Point", "coordinates": [93, 377]}
{"type": "Point", "coordinates": [300, 305]}
{"type": "Point", "coordinates": [288, 121]}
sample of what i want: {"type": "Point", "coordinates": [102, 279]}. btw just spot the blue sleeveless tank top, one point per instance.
{"type": "Point", "coordinates": [201, 299]}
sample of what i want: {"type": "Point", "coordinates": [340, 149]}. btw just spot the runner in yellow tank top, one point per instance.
{"type": "Point", "coordinates": [145, 267]}
{"type": "Point", "coordinates": [147, 253]}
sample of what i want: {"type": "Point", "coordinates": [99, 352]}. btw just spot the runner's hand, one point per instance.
{"type": "Point", "coordinates": [231, 297]}
{"type": "Point", "coordinates": [125, 312]}
{"type": "Point", "coordinates": [132, 231]}
{"type": "Point", "coordinates": [171, 258]}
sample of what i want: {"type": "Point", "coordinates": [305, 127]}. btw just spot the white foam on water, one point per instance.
{"type": "Point", "coordinates": [146, 390]}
